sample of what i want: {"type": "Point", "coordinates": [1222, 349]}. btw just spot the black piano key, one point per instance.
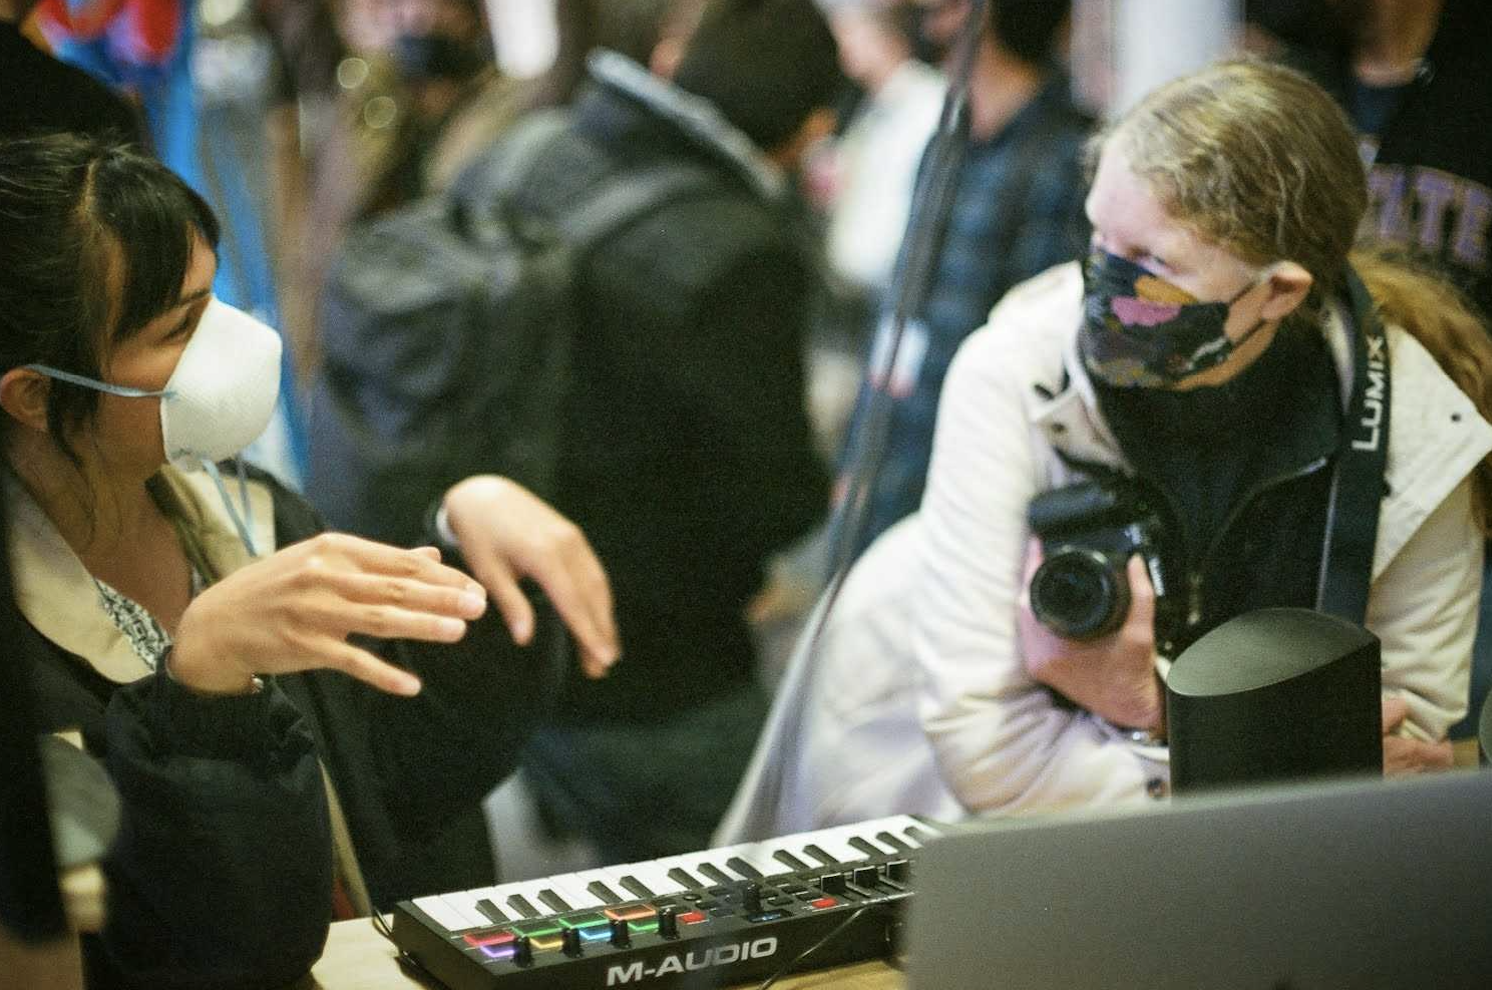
{"type": "Point", "coordinates": [520, 904]}
{"type": "Point", "coordinates": [818, 853]}
{"type": "Point", "coordinates": [554, 902]}
{"type": "Point", "coordinates": [867, 847]}
{"type": "Point", "coordinates": [715, 873]}
{"type": "Point", "coordinates": [920, 836]}
{"type": "Point", "coordinates": [491, 910]}
{"type": "Point", "coordinates": [744, 868]}
{"type": "Point", "coordinates": [636, 886]}
{"type": "Point", "coordinates": [604, 892]}
{"type": "Point", "coordinates": [900, 845]}
{"type": "Point", "coordinates": [684, 878]}
{"type": "Point", "coordinates": [787, 858]}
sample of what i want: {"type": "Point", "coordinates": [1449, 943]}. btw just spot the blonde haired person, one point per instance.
{"type": "Point", "coordinates": [1206, 354]}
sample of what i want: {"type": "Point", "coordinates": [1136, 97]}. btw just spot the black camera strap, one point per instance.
{"type": "Point", "coordinates": [1357, 485]}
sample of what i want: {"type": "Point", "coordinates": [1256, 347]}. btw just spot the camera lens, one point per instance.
{"type": "Point", "coordinates": [1079, 594]}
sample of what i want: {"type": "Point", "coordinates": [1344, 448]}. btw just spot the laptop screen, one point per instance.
{"type": "Point", "coordinates": [1326, 885]}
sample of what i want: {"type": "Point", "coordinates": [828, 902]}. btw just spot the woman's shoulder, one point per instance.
{"type": "Point", "coordinates": [295, 518]}
{"type": "Point", "coordinates": [1028, 331]}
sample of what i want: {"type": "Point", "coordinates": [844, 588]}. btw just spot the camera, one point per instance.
{"type": "Point", "coordinates": [1088, 532]}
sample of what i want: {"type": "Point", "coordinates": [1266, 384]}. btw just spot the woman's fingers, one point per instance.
{"type": "Point", "coordinates": [1395, 710]}
{"type": "Point", "coordinates": [393, 622]}
{"type": "Point", "coordinates": [467, 602]}
{"type": "Point", "coordinates": [366, 667]}
{"type": "Point", "coordinates": [498, 578]}
{"type": "Point", "coordinates": [1141, 618]}
{"type": "Point", "coordinates": [582, 595]}
{"type": "Point", "coordinates": [420, 564]}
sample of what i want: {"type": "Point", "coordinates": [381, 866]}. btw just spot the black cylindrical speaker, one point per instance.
{"type": "Point", "coordinates": [1276, 694]}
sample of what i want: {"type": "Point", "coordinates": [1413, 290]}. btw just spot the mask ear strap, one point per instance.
{"type": "Point", "coordinates": [72, 379]}
{"type": "Point", "coordinates": [238, 520]}
{"type": "Point", "coordinates": [1258, 280]}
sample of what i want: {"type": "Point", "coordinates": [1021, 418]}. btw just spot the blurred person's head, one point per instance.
{"type": "Point", "coordinates": [1026, 29]}
{"type": "Point", "coordinates": [771, 67]}
{"type": "Point", "coordinates": [1318, 24]}
{"type": "Point", "coordinates": [429, 40]}
{"type": "Point", "coordinates": [634, 27]}
{"type": "Point", "coordinates": [439, 39]}
{"type": "Point", "coordinates": [874, 37]}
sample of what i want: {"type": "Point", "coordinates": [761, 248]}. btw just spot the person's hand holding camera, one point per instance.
{"type": "Point", "coordinates": [1112, 676]}
{"type": "Point", "coordinates": [1403, 755]}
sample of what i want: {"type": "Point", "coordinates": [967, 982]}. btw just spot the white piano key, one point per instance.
{"type": "Point", "coordinates": [615, 874]}
{"type": "Point", "coordinates": [465, 901]}
{"type": "Point", "coordinates": [914, 828]}
{"type": "Point", "coordinates": [585, 877]}
{"type": "Point", "coordinates": [447, 917]}
{"type": "Point", "coordinates": [835, 843]}
{"type": "Point", "coordinates": [575, 894]}
{"type": "Point", "coordinates": [685, 863]}
{"type": "Point", "coordinates": [459, 911]}
{"type": "Point", "coordinates": [693, 862]}
{"type": "Point", "coordinates": [499, 894]}
{"type": "Point", "coordinates": [528, 890]}
{"type": "Point", "coordinates": [655, 877]}
{"type": "Point", "coordinates": [757, 855]}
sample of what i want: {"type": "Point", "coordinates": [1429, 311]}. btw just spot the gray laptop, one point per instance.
{"type": "Point", "coordinates": [1339, 885]}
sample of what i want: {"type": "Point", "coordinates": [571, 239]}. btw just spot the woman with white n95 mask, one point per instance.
{"type": "Point", "coordinates": [198, 635]}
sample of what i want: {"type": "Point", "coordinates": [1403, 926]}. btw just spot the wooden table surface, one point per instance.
{"type": "Point", "coordinates": [358, 958]}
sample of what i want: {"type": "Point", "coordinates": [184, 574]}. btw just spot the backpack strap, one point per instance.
{"type": "Point", "coordinates": [506, 166]}
{"type": "Point", "coordinates": [620, 199]}
{"type": "Point", "coordinates": [499, 178]}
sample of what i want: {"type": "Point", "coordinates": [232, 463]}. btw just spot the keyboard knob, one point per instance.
{"type": "Point", "coordinates": [620, 936]}
{"type": "Point", "coordinates": [668, 922]}
{"type": "Point", "coordinates": [899, 870]}
{"type": "Point", "coordinates": [832, 883]}
{"type": "Point", "coordinates": [523, 951]}
{"type": "Point", "coordinates": [751, 898]}
{"type": "Point", "coordinates": [866, 875]}
{"type": "Point", "coordinates": [570, 943]}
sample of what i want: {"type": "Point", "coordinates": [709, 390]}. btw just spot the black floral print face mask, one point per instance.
{"type": "Point", "coordinates": [1141, 331]}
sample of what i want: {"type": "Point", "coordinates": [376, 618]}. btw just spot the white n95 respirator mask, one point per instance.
{"type": "Point", "coordinates": [222, 393]}
{"type": "Point", "coordinates": [218, 400]}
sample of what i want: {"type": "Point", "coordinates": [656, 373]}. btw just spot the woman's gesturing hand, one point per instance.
{"type": "Point", "coordinates": [506, 533]}
{"type": "Point", "coordinates": [294, 610]}
{"type": "Point", "coordinates": [1114, 676]}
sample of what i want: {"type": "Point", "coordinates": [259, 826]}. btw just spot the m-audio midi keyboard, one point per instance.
{"type": "Point", "coordinates": [713, 918]}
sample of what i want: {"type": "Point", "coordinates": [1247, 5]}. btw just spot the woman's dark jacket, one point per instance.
{"type": "Point", "coordinates": [222, 873]}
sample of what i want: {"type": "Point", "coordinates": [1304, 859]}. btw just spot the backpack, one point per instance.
{"type": "Point", "coordinates": [447, 330]}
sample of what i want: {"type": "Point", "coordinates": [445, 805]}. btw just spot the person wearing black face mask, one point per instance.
{"type": "Point", "coordinates": [428, 102]}
{"type": "Point", "coordinates": [1229, 355]}
{"type": "Point", "coordinates": [430, 56]}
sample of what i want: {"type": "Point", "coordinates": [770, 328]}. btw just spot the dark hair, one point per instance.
{"type": "Point", "coordinates": [1028, 28]}
{"type": "Point", "coordinates": [95, 241]}
{"type": "Point", "coordinates": [765, 64]}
